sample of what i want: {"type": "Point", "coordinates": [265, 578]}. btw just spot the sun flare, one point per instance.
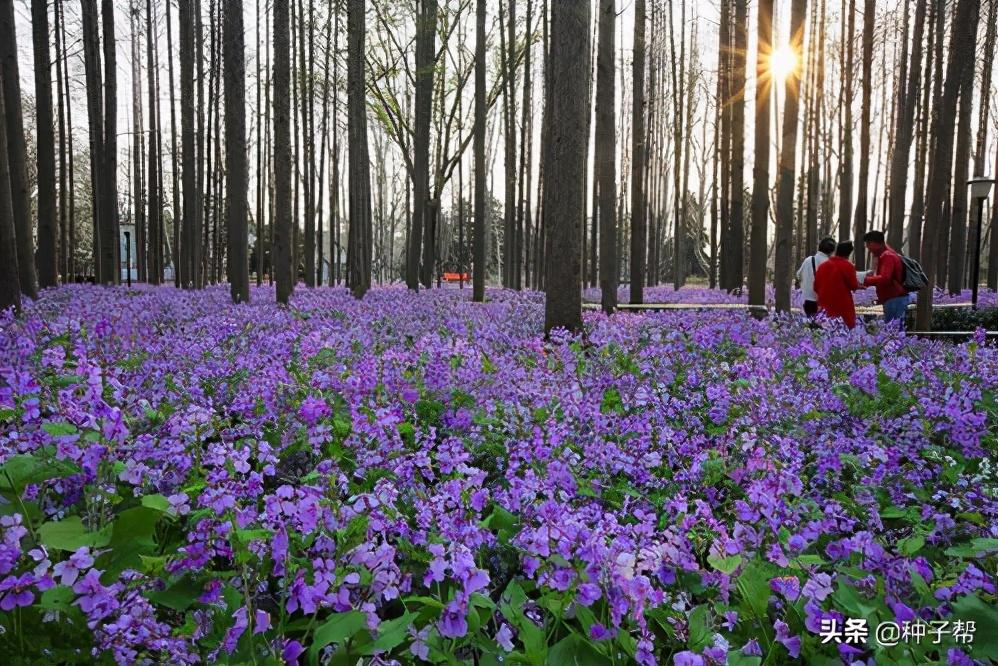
{"type": "Point", "coordinates": [782, 63]}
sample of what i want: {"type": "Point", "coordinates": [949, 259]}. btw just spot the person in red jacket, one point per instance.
{"type": "Point", "coordinates": [834, 283]}
{"type": "Point", "coordinates": [888, 278]}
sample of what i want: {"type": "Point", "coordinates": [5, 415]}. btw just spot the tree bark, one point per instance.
{"type": "Point", "coordinates": [236, 171]}
{"type": "Point", "coordinates": [478, 276]}
{"type": "Point", "coordinates": [564, 190]}
{"type": "Point", "coordinates": [359, 243]}
{"type": "Point", "coordinates": [860, 219]}
{"type": "Point", "coordinates": [902, 143]}
{"type": "Point", "coordinates": [47, 261]}
{"type": "Point", "coordinates": [283, 274]}
{"type": "Point", "coordinates": [959, 208]}
{"type": "Point", "coordinates": [110, 245]}
{"type": "Point", "coordinates": [638, 202]}
{"type": "Point", "coordinates": [787, 167]}
{"type": "Point", "coordinates": [17, 159]}
{"type": "Point", "coordinates": [64, 241]}
{"type": "Point", "coordinates": [94, 85]}
{"type": "Point", "coordinates": [154, 256]}
{"type": "Point", "coordinates": [426, 22]}
{"type": "Point", "coordinates": [734, 250]}
{"type": "Point", "coordinates": [760, 171]}
{"type": "Point", "coordinates": [845, 181]}
{"type": "Point", "coordinates": [606, 153]}
{"type": "Point", "coordinates": [10, 288]}
{"type": "Point", "coordinates": [963, 39]}
{"type": "Point", "coordinates": [191, 193]}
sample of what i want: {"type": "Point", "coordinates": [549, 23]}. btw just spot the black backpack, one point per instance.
{"type": "Point", "coordinates": [914, 277]}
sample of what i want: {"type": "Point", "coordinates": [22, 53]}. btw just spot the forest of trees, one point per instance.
{"type": "Point", "coordinates": [541, 144]}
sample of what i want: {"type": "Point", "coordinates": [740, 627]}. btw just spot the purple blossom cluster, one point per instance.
{"type": "Point", "coordinates": [419, 478]}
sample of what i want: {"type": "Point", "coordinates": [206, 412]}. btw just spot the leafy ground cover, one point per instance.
{"type": "Point", "coordinates": [415, 479]}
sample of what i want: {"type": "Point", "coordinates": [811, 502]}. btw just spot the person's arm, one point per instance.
{"type": "Point", "coordinates": [886, 265]}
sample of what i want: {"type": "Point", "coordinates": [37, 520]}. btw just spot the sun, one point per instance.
{"type": "Point", "coordinates": [782, 63]}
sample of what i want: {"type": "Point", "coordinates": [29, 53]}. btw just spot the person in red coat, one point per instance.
{"type": "Point", "coordinates": [834, 283]}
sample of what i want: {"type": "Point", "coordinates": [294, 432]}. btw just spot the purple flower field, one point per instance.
{"type": "Point", "coordinates": [421, 479]}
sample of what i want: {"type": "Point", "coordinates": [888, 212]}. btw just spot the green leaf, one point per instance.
{"type": "Point", "coordinates": [70, 534]}
{"type": "Point", "coordinates": [157, 502]}
{"type": "Point", "coordinates": [392, 633]}
{"type": "Point", "coordinates": [911, 545]}
{"type": "Point", "coordinates": [725, 565]}
{"type": "Point", "coordinates": [59, 428]}
{"type": "Point", "coordinates": [22, 470]}
{"type": "Point", "coordinates": [736, 658]}
{"type": "Point", "coordinates": [337, 629]}
{"type": "Point", "coordinates": [574, 650]}
{"type": "Point", "coordinates": [976, 548]}
{"type": "Point", "coordinates": [179, 596]}
{"type": "Point", "coordinates": [700, 635]}
{"type": "Point", "coordinates": [58, 598]}
{"type": "Point", "coordinates": [753, 585]}
{"type": "Point", "coordinates": [985, 618]}
{"type": "Point", "coordinates": [512, 603]}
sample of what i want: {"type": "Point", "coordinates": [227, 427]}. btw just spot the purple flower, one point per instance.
{"type": "Point", "coordinates": [788, 586]}
{"type": "Point", "coordinates": [69, 570]}
{"type": "Point", "coordinates": [588, 594]}
{"type": "Point", "coordinates": [453, 621]}
{"type": "Point", "coordinates": [598, 632]}
{"type": "Point", "coordinates": [818, 587]}
{"type": "Point", "coordinates": [792, 643]}
{"type": "Point", "coordinates": [504, 637]}
{"type": "Point", "coordinates": [687, 658]}
{"type": "Point", "coordinates": [292, 650]}
{"type": "Point", "coordinates": [313, 409]}
{"type": "Point", "coordinates": [752, 648]}
{"type": "Point", "coordinates": [15, 592]}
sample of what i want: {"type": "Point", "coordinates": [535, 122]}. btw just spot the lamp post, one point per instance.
{"type": "Point", "coordinates": [980, 188]}
{"type": "Point", "coordinates": [128, 258]}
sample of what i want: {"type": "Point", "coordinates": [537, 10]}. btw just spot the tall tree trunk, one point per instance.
{"type": "Point", "coordinates": [308, 144]}
{"type": "Point", "coordinates": [564, 192]}
{"type": "Point", "coordinates": [921, 154]}
{"type": "Point", "coordinates": [92, 66]}
{"type": "Point", "coordinates": [17, 152]}
{"type": "Point", "coordinates": [138, 196]}
{"type": "Point", "coordinates": [724, 58]}
{"type": "Point", "coordinates": [71, 259]}
{"type": "Point", "coordinates": [284, 276]}
{"type": "Point", "coordinates": [359, 244]}
{"type": "Point", "coordinates": [110, 271]}
{"type": "Point", "coordinates": [760, 171]}
{"type": "Point", "coordinates": [638, 230]}
{"type": "Point", "coordinates": [334, 185]}
{"type": "Point", "coordinates": [907, 101]}
{"type": "Point", "coordinates": [10, 288]}
{"type": "Point", "coordinates": [426, 22]}
{"type": "Point", "coordinates": [236, 172]}
{"type": "Point", "coordinates": [64, 240]}
{"type": "Point", "coordinates": [959, 209]}
{"type": "Point", "coordinates": [862, 194]}
{"type": "Point", "coordinates": [48, 266]}
{"type": "Point", "coordinates": [845, 181]}
{"type": "Point", "coordinates": [788, 166]}
{"type": "Point", "coordinates": [478, 276]}
{"type": "Point", "coordinates": [175, 172]}
{"type": "Point", "coordinates": [188, 264]}
{"type": "Point", "coordinates": [154, 254]}
{"type": "Point", "coordinates": [606, 153]}
{"type": "Point", "coordinates": [734, 250]}
{"type": "Point", "coordinates": [963, 40]}
{"type": "Point", "coordinates": [508, 49]}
